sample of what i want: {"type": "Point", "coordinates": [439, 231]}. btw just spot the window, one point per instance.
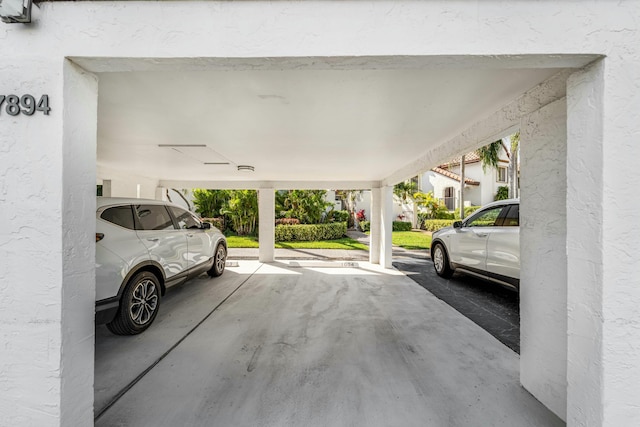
{"type": "Point", "coordinates": [485, 219]}
{"type": "Point", "coordinates": [512, 218]}
{"type": "Point", "coordinates": [119, 215]}
{"type": "Point", "coordinates": [185, 218]}
{"type": "Point", "coordinates": [502, 174]}
{"type": "Point", "coordinates": [154, 217]}
{"type": "Point", "coordinates": [450, 198]}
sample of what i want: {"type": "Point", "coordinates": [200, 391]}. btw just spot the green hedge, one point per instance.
{"type": "Point", "coordinates": [401, 226]}
{"type": "Point", "coordinates": [397, 226]}
{"type": "Point", "coordinates": [310, 232]}
{"type": "Point", "coordinates": [436, 224]}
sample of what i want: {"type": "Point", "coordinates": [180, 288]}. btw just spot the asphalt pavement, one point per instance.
{"type": "Point", "coordinates": [492, 307]}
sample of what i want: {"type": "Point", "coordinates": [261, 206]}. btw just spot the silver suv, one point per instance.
{"type": "Point", "coordinates": [485, 245]}
{"type": "Point", "coordinates": [142, 248]}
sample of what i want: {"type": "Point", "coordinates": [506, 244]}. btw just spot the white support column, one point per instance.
{"type": "Point", "coordinates": [47, 273]}
{"type": "Point", "coordinates": [106, 188]}
{"type": "Point", "coordinates": [374, 218]}
{"type": "Point", "coordinates": [603, 294]}
{"type": "Point", "coordinates": [543, 258]}
{"type": "Point", "coordinates": [386, 226]}
{"type": "Point", "coordinates": [267, 214]}
{"type": "Point", "coordinates": [79, 132]}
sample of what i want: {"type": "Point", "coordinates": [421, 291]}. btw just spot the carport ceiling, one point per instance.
{"type": "Point", "coordinates": [292, 123]}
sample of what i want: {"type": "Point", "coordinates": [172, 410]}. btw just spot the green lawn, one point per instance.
{"type": "Point", "coordinates": [252, 242]}
{"type": "Point", "coordinates": [411, 239]}
{"type": "Point", "coordinates": [407, 239]}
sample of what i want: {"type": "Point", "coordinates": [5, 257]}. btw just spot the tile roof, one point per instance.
{"type": "Point", "coordinates": [455, 176]}
{"type": "Point", "coordinates": [471, 157]}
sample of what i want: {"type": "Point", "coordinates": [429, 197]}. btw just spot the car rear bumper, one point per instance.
{"type": "Point", "coordinates": [106, 310]}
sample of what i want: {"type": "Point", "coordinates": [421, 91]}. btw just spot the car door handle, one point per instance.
{"type": "Point", "coordinates": [482, 234]}
{"type": "Point", "coordinates": [189, 234]}
{"type": "Point", "coordinates": [153, 239]}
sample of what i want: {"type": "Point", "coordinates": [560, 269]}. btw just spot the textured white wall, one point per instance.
{"type": "Point", "coordinates": [47, 279]}
{"type": "Point", "coordinates": [585, 226]}
{"type": "Point", "coordinates": [31, 247]}
{"type": "Point", "coordinates": [543, 256]}
{"type": "Point", "coordinates": [31, 165]}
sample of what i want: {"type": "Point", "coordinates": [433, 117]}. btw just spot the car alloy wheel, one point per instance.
{"type": "Point", "coordinates": [144, 302]}
{"type": "Point", "coordinates": [441, 262]}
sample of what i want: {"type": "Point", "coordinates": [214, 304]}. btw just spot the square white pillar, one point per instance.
{"type": "Point", "coordinates": [106, 188]}
{"type": "Point", "coordinates": [543, 256]}
{"type": "Point", "coordinates": [603, 295]}
{"type": "Point", "coordinates": [47, 274]}
{"type": "Point", "coordinates": [386, 226]}
{"type": "Point", "coordinates": [266, 227]}
{"type": "Point", "coordinates": [374, 219]}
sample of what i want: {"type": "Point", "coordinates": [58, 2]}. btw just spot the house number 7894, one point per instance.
{"type": "Point", "coordinates": [13, 105]}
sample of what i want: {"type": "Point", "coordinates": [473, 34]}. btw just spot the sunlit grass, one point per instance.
{"type": "Point", "coordinates": [252, 242]}
{"type": "Point", "coordinates": [415, 240]}
{"type": "Point", "coordinates": [242, 242]}
{"type": "Point", "coordinates": [344, 243]}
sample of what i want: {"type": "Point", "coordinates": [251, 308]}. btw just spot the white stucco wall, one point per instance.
{"type": "Point", "coordinates": [543, 274]}
{"type": "Point", "coordinates": [33, 174]}
{"type": "Point", "coordinates": [47, 187]}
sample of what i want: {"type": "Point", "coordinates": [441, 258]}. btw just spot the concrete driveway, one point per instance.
{"type": "Point", "coordinates": [310, 343]}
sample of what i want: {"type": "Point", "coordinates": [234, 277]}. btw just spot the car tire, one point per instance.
{"type": "Point", "coordinates": [219, 261]}
{"type": "Point", "coordinates": [441, 261]}
{"type": "Point", "coordinates": [138, 306]}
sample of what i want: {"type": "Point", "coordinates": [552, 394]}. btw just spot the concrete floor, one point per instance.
{"type": "Point", "coordinates": [313, 344]}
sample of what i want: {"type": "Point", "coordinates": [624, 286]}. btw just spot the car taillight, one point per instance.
{"type": "Point", "coordinates": [99, 236]}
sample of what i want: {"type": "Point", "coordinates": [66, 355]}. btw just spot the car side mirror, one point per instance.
{"type": "Point", "coordinates": [457, 224]}
{"type": "Point", "coordinates": [206, 225]}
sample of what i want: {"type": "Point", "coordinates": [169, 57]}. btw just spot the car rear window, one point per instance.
{"type": "Point", "coordinates": [512, 218]}
{"type": "Point", "coordinates": [153, 217]}
{"type": "Point", "coordinates": [119, 215]}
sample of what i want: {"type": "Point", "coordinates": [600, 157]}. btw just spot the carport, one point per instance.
{"type": "Point", "coordinates": [324, 95]}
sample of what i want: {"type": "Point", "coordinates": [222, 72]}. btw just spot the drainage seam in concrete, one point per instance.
{"type": "Point", "coordinates": [166, 353]}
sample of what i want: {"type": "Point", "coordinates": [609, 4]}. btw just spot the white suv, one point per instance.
{"type": "Point", "coordinates": [142, 248]}
{"type": "Point", "coordinates": [485, 245]}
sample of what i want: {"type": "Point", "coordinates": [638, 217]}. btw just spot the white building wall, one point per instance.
{"type": "Point", "coordinates": [125, 184]}
{"type": "Point", "coordinates": [543, 257]}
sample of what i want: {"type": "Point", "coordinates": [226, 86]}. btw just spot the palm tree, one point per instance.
{"type": "Point", "coordinates": [405, 191]}
{"type": "Point", "coordinates": [513, 165]}
{"type": "Point", "coordinates": [490, 155]}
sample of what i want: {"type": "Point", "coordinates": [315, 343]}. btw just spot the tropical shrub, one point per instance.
{"type": "Point", "coordinates": [242, 210]}
{"type": "Point", "coordinates": [309, 206]}
{"type": "Point", "coordinates": [310, 232]}
{"type": "Point", "coordinates": [209, 202]}
{"type": "Point", "coordinates": [216, 222]}
{"type": "Point", "coordinates": [365, 226]}
{"type": "Point", "coordinates": [502, 194]}
{"type": "Point", "coordinates": [337, 216]}
{"type": "Point", "coordinates": [468, 210]}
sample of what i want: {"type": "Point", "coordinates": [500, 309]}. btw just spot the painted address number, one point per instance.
{"type": "Point", "coordinates": [13, 105]}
